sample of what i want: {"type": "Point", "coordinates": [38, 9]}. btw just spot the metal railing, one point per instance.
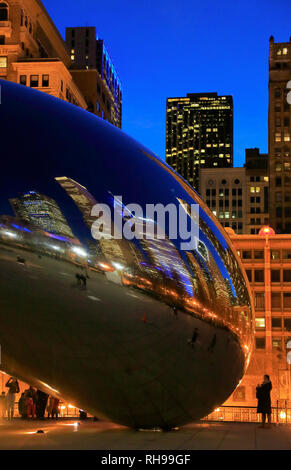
{"type": "Point", "coordinates": [248, 414]}
{"type": "Point", "coordinates": [65, 411]}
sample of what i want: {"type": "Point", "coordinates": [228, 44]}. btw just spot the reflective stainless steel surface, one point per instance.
{"type": "Point", "coordinates": [119, 339]}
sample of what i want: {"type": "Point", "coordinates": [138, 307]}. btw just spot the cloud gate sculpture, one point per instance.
{"type": "Point", "coordinates": [139, 328]}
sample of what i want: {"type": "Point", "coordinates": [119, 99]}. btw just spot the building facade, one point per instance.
{"type": "Point", "coordinates": [280, 135]}
{"type": "Point", "coordinates": [33, 53]}
{"type": "Point", "coordinates": [41, 211]}
{"type": "Point", "coordinates": [95, 73]}
{"type": "Point", "coordinates": [238, 197]}
{"type": "Point", "coordinates": [199, 134]}
{"type": "Point", "coordinates": [267, 261]}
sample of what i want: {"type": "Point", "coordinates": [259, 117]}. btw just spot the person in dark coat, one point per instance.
{"type": "Point", "coordinates": [41, 403]}
{"type": "Point", "coordinates": [263, 394]}
{"type": "Point", "coordinates": [22, 406]}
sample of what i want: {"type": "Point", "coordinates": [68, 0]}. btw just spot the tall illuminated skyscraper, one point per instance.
{"type": "Point", "coordinates": [280, 135]}
{"type": "Point", "coordinates": [95, 73]}
{"type": "Point", "coordinates": [199, 134]}
{"type": "Point", "coordinates": [41, 211]}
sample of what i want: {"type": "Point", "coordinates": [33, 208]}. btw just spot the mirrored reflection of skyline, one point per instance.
{"type": "Point", "coordinates": [195, 281]}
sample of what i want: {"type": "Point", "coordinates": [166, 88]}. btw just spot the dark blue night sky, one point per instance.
{"type": "Point", "coordinates": [164, 48]}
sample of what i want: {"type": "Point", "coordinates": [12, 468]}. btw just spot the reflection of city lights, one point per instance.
{"type": "Point", "coordinates": [118, 266]}
{"type": "Point", "coordinates": [217, 409]}
{"type": "Point", "coordinates": [57, 248]}
{"type": "Point", "coordinates": [282, 415]}
{"type": "Point", "coordinates": [48, 386]}
{"type": "Point", "coordinates": [10, 234]}
{"type": "Point", "coordinates": [79, 251]}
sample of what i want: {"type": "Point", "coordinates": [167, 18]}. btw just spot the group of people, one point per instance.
{"type": "Point", "coordinates": [32, 403]}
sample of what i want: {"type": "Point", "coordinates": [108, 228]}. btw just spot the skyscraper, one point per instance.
{"type": "Point", "coordinates": [41, 211]}
{"type": "Point", "coordinates": [280, 135]}
{"type": "Point", "coordinates": [95, 73]}
{"type": "Point", "coordinates": [199, 134]}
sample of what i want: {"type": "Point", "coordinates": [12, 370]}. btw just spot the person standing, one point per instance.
{"type": "Point", "coordinates": [41, 402]}
{"type": "Point", "coordinates": [13, 386]}
{"type": "Point", "coordinates": [194, 337]}
{"type": "Point", "coordinates": [30, 401]}
{"type": "Point", "coordinates": [263, 394]}
{"type": "Point", "coordinates": [212, 344]}
{"type": "Point", "coordinates": [53, 407]}
{"type": "Point", "coordinates": [22, 406]}
{"type": "Point", "coordinates": [2, 405]}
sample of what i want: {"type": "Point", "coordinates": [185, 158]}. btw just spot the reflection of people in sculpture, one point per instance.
{"type": "Point", "coordinates": [263, 394]}
{"type": "Point", "coordinates": [194, 337]}
{"type": "Point", "coordinates": [212, 344]}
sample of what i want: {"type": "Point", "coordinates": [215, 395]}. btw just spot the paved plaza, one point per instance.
{"type": "Point", "coordinates": [89, 435]}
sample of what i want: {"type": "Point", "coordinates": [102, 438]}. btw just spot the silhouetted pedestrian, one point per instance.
{"type": "Point", "coordinates": [53, 407]}
{"type": "Point", "coordinates": [212, 344]}
{"type": "Point", "coordinates": [194, 337]}
{"type": "Point", "coordinates": [263, 394]}
{"type": "Point", "coordinates": [22, 406]}
{"type": "Point", "coordinates": [41, 402]}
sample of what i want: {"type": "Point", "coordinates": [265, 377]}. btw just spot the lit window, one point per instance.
{"type": "Point", "coordinates": [266, 178]}
{"type": "Point", "coordinates": [258, 189]}
{"type": "Point", "coordinates": [279, 52]}
{"type": "Point", "coordinates": [285, 50]}
{"type": "Point", "coordinates": [252, 189]}
{"type": "Point", "coordinates": [72, 57]}
{"type": "Point", "coordinates": [260, 323]}
{"type": "Point", "coordinates": [278, 137]}
{"type": "Point", "coordinates": [3, 62]}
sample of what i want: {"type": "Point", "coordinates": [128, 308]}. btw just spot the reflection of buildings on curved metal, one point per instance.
{"type": "Point", "coordinates": [125, 345]}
